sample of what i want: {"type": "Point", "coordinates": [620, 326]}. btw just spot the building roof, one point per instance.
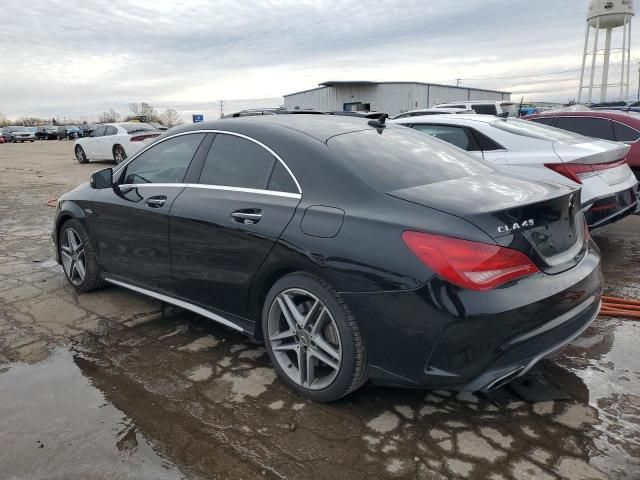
{"type": "Point", "coordinates": [335, 83]}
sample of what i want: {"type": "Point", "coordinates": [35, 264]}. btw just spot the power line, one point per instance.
{"type": "Point", "coordinates": [521, 76]}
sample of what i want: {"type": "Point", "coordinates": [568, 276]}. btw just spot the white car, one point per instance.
{"type": "Point", "coordinates": [114, 141]}
{"type": "Point", "coordinates": [485, 107]}
{"type": "Point", "coordinates": [432, 111]}
{"type": "Point", "coordinates": [538, 151]}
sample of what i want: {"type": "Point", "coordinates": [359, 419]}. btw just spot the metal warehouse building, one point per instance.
{"type": "Point", "coordinates": [388, 97]}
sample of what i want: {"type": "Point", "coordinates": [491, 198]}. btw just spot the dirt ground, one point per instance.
{"type": "Point", "coordinates": [113, 385]}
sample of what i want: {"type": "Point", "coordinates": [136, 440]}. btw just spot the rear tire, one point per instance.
{"type": "Point", "coordinates": [119, 155]}
{"type": "Point", "coordinates": [78, 257]}
{"type": "Point", "coordinates": [312, 338]}
{"type": "Point", "coordinates": [80, 155]}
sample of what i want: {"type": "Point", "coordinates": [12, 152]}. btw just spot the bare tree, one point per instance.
{"type": "Point", "coordinates": [170, 118]}
{"type": "Point", "coordinates": [144, 110]}
{"type": "Point", "coordinates": [110, 116]}
{"type": "Point", "coordinates": [3, 120]}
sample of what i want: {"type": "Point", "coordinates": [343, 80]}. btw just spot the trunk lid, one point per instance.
{"type": "Point", "coordinates": [542, 220]}
{"type": "Point", "coordinates": [597, 152]}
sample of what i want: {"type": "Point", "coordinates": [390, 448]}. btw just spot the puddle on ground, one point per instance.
{"type": "Point", "coordinates": [55, 424]}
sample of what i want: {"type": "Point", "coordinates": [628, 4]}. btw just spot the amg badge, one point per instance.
{"type": "Point", "coordinates": [516, 226]}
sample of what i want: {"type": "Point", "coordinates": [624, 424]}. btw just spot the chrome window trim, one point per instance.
{"type": "Point", "coordinates": [179, 303]}
{"type": "Point", "coordinates": [224, 132]}
{"type": "Point", "coordinates": [204, 186]}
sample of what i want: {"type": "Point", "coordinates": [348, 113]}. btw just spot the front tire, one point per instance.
{"type": "Point", "coordinates": [119, 155]}
{"type": "Point", "coordinates": [312, 338]}
{"type": "Point", "coordinates": [78, 257]}
{"type": "Point", "coordinates": [80, 155]}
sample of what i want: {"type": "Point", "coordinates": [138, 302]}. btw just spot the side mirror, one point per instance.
{"type": "Point", "coordinates": [102, 178]}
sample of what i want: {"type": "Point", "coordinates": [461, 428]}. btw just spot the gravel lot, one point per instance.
{"type": "Point", "coordinates": [114, 385]}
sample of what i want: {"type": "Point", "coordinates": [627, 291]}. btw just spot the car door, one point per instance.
{"type": "Point", "coordinates": [106, 142]}
{"type": "Point", "coordinates": [130, 222]}
{"type": "Point", "coordinates": [223, 227]}
{"type": "Point", "coordinates": [92, 146]}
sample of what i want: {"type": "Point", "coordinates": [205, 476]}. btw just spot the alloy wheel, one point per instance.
{"type": "Point", "coordinates": [304, 338]}
{"type": "Point", "coordinates": [80, 154]}
{"type": "Point", "coordinates": [73, 256]}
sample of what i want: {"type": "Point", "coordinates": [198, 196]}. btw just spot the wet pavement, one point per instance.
{"type": "Point", "coordinates": [114, 385]}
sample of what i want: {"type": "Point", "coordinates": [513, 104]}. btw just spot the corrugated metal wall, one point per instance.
{"type": "Point", "coordinates": [391, 98]}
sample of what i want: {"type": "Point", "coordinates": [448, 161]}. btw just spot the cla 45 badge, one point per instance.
{"type": "Point", "coordinates": [516, 226]}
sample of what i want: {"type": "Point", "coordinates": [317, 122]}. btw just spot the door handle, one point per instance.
{"type": "Point", "coordinates": [156, 202]}
{"type": "Point", "coordinates": [248, 216]}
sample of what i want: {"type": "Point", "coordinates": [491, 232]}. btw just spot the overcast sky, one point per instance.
{"type": "Point", "coordinates": [77, 59]}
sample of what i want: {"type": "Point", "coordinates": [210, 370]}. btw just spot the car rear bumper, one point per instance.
{"type": "Point", "coordinates": [612, 208]}
{"type": "Point", "coordinates": [441, 336]}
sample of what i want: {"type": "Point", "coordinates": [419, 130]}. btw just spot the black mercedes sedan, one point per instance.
{"type": "Point", "coordinates": [354, 249]}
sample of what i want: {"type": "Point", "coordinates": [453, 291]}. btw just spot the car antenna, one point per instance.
{"type": "Point", "coordinates": [379, 122]}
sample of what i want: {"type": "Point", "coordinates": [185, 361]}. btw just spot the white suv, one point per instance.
{"type": "Point", "coordinates": [485, 107]}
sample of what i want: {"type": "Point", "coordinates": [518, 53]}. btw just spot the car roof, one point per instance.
{"type": "Point", "coordinates": [320, 127]}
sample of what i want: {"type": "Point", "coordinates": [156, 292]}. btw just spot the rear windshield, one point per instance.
{"type": "Point", "coordinates": [137, 127]}
{"type": "Point", "coordinates": [402, 157]}
{"type": "Point", "coordinates": [527, 128]}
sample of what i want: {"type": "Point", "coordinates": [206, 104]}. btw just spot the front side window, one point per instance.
{"type": "Point", "coordinates": [99, 132]}
{"type": "Point", "coordinates": [589, 127]}
{"type": "Point", "coordinates": [166, 162]}
{"type": "Point", "coordinates": [237, 162]}
{"type": "Point", "coordinates": [454, 135]}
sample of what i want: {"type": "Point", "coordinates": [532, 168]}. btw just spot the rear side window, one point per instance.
{"type": "Point", "coordinates": [454, 135]}
{"type": "Point", "coordinates": [543, 120]}
{"type": "Point", "coordinates": [110, 131]}
{"type": "Point", "coordinates": [99, 132]}
{"type": "Point", "coordinates": [165, 162]}
{"type": "Point", "coordinates": [237, 162]}
{"type": "Point", "coordinates": [485, 109]}
{"type": "Point", "coordinates": [485, 143]}
{"type": "Point", "coordinates": [589, 127]}
{"type": "Point", "coordinates": [625, 133]}
{"type": "Point", "coordinates": [401, 157]}
{"type": "Point", "coordinates": [281, 180]}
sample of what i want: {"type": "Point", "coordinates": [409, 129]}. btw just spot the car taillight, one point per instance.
{"type": "Point", "coordinates": [579, 171]}
{"type": "Point", "coordinates": [472, 265]}
{"type": "Point", "coordinates": [141, 138]}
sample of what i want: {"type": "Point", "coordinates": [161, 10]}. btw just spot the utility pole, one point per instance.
{"type": "Point", "coordinates": [458, 80]}
{"type": "Point", "coordinates": [221, 111]}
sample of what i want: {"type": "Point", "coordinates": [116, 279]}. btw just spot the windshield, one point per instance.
{"type": "Point", "coordinates": [137, 127]}
{"type": "Point", "coordinates": [399, 158]}
{"type": "Point", "coordinates": [527, 128]}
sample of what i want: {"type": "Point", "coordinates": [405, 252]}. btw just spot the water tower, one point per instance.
{"type": "Point", "coordinates": [607, 15]}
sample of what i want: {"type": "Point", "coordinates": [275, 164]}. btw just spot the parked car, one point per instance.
{"type": "Point", "coordinates": [432, 111]}
{"type": "Point", "coordinates": [114, 141]}
{"type": "Point", "coordinates": [538, 151]}
{"type": "Point", "coordinates": [349, 247]}
{"type": "Point", "coordinates": [20, 134]}
{"type": "Point", "coordinates": [605, 124]}
{"type": "Point", "coordinates": [2, 140]}
{"type": "Point", "coordinates": [7, 136]}
{"type": "Point", "coordinates": [491, 107]}
{"type": "Point", "coordinates": [47, 132]}
{"type": "Point", "coordinates": [69, 132]}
